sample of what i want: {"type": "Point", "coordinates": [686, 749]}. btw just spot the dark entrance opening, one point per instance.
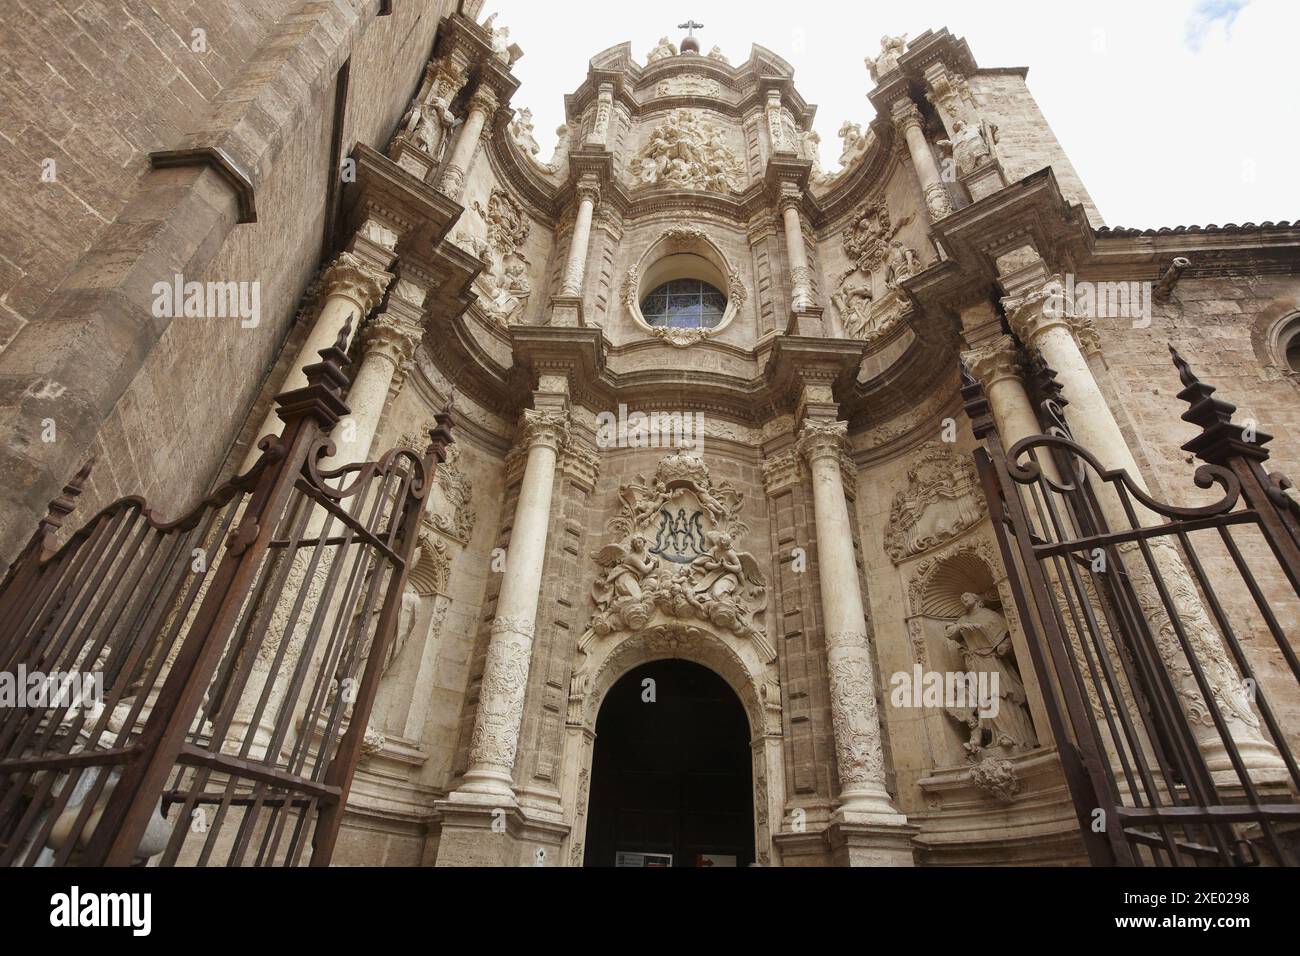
{"type": "Point", "coordinates": [672, 775]}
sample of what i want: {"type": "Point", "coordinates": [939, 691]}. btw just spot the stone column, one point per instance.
{"type": "Point", "coordinates": [856, 723]}
{"type": "Point", "coordinates": [495, 740]}
{"type": "Point", "coordinates": [351, 288]}
{"type": "Point", "coordinates": [389, 345]}
{"type": "Point", "coordinates": [481, 106]}
{"type": "Point", "coordinates": [1043, 322]}
{"type": "Point", "coordinates": [907, 120]}
{"type": "Point", "coordinates": [575, 269]}
{"type": "Point", "coordinates": [801, 296]}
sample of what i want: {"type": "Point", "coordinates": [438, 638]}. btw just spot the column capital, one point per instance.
{"type": "Point", "coordinates": [390, 338]}
{"type": "Point", "coordinates": [353, 278]}
{"type": "Point", "coordinates": [995, 362]}
{"type": "Point", "coordinates": [905, 114]}
{"type": "Point", "coordinates": [484, 99]}
{"type": "Point", "coordinates": [822, 438]}
{"type": "Point", "coordinates": [548, 429]}
{"type": "Point", "coordinates": [790, 197]}
{"type": "Point", "coordinates": [1049, 307]}
{"type": "Point", "coordinates": [588, 189]}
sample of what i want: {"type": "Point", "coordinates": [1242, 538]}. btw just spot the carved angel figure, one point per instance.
{"type": "Point", "coordinates": [723, 570]}
{"type": "Point", "coordinates": [902, 263]}
{"type": "Point", "coordinates": [887, 62]}
{"type": "Point", "coordinates": [628, 571]}
{"type": "Point", "coordinates": [510, 290]}
{"type": "Point", "coordinates": [716, 54]}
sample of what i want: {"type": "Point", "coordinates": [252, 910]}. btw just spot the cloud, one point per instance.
{"type": "Point", "coordinates": [1207, 15]}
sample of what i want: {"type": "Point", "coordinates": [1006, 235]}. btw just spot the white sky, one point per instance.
{"type": "Point", "coordinates": [1174, 112]}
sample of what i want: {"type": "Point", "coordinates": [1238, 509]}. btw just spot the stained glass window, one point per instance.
{"type": "Point", "coordinates": [684, 304]}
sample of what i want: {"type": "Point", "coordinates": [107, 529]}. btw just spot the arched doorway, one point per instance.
{"type": "Point", "coordinates": [671, 772]}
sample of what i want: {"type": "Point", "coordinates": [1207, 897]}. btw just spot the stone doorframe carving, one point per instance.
{"type": "Point", "coordinates": [754, 681]}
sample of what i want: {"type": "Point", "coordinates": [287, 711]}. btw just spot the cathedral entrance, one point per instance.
{"type": "Point", "coordinates": [671, 780]}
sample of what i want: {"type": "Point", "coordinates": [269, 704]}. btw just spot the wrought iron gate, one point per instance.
{"type": "Point", "coordinates": [1150, 626]}
{"type": "Point", "coordinates": [237, 652]}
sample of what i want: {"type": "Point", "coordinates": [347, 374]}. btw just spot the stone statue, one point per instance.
{"type": "Point", "coordinates": [723, 571]}
{"type": "Point", "coordinates": [664, 48]}
{"type": "Point", "coordinates": [427, 124]}
{"type": "Point", "coordinates": [855, 143]}
{"type": "Point", "coordinates": [522, 132]}
{"type": "Point", "coordinates": [902, 263]}
{"type": "Point", "coordinates": [716, 54]}
{"type": "Point", "coordinates": [971, 147]}
{"type": "Point", "coordinates": [887, 62]}
{"type": "Point", "coordinates": [626, 570]}
{"type": "Point", "coordinates": [984, 640]}
{"type": "Point", "coordinates": [510, 290]}
{"type": "Point", "coordinates": [689, 153]}
{"type": "Point", "coordinates": [853, 301]}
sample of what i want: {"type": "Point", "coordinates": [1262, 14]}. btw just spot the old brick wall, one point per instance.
{"type": "Point", "coordinates": [96, 87]}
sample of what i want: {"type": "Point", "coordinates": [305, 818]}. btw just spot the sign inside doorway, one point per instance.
{"type": "Point", "coordinates": [656, 860]}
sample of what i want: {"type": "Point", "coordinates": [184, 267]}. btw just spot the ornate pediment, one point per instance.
{"type": "Point", "coordinates": [676, 556]}
{"type": "Point", "coordinates": [941, 501]}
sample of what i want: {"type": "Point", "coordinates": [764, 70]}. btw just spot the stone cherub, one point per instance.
{"type": "Point", "coordinates": [664, 48]}
{"type": "Point", "coordinates": [982, 637]}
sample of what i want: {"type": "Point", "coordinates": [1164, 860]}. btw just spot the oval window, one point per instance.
{"type": "Point", "coordinates": [684, 304]}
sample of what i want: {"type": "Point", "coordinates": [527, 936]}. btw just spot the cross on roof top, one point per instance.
{"type": "Point", "coordinates": [690, 26]}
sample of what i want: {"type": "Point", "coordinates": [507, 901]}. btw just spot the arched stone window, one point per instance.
{"type": "Point", "coordinates": [1286, 343]}
{"type": "Point", "coordinates": [683, 290]}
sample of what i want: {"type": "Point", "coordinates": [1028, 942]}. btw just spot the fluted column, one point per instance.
{"type": "Point", "coordinates": [801, 296]}
{"type": "Point", "coordinates": [1042, 321]}
{"type": "Point", "coordinates": [854, 717]}
{"type": "Point", "coordinates": [576, 268]}
{"type": "Point", "coordinates": [481, 105]}
{"type": "Point", "coordinates": [495, 740]}
{"type": "Point", "coordinates": [351, 288]}
{"type": "Point", "coordinates": [907, 120]}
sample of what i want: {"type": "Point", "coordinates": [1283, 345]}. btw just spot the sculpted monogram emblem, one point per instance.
{"type": "Point", "coordinates": [694, 569]}
{"type": "Point", "coordinates": [680, 539]}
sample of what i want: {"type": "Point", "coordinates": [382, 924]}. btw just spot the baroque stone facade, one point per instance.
{"type": "Point", "coordinates": [786, 495]}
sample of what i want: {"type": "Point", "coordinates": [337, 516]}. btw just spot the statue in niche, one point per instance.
{"type": "Point", "coordinates": [983, 638]}
{"type": "Point", "coordinates": [887, 62]}
{"type": "Point", "coordinates": [627, 569]}
{"type": "Point", "coordinates": [853, 301]}
{"type": "Point", "coordinates": [971, 147]}
{"type": "Point", "coordinates": [426, 125]}
{"type": "Point", "coordinates": [663, 49]}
